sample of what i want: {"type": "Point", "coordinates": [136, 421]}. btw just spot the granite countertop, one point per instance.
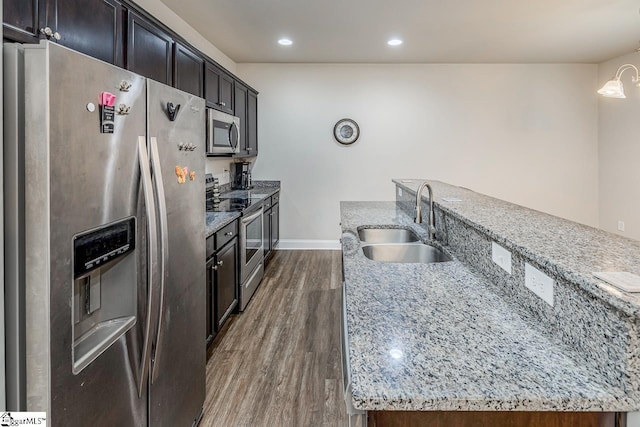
{"type": "Point", "coordinates": [216, 220]}
{"type": "Point", "coordinates": [435, 337]}
{"type": "Point", "coordinates": [261, 190]}
{"type": "Point", "coordinates": [572, 251]}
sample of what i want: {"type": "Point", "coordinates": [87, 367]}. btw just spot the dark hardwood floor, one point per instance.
{"type": "Point", "coordinates": [278, 363]}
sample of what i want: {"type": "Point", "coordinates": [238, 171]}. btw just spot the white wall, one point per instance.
{"type": "Point", "coordinates": [619, 151]}
{"type": "Point", "coordinates": [524, 133]}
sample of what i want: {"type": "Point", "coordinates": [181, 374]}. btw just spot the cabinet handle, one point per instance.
{"type": "Point", "coordinates": [215, 267]}
{"type": "Point", "coordinates": [220, 263]}
{"type": "Point", "coordinates": [222, 104]}
{"type": "Point", "coordinates": [249, 149]}
{"type": "Point", "coordinates": [49, 33]}
{"type": "Point", "coordinates": [230, 233]}
{"type": "Point", "coordinates": [267, 206]}
{"type": "Point", "coordinates": [271, 214]}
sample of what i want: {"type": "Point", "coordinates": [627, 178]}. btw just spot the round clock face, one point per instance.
{"type": "Point", "coordinates": [346, 131]}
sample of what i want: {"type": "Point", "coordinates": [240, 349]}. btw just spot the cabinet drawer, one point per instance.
{"type": "Point", "coordinates": [266, 205]}
{"type": "Point", "coordinates": [225, 234]}
{"type": "Point", "coordinates": [211, 247]}
{"type": "Point", "coordinates": [275, 198]}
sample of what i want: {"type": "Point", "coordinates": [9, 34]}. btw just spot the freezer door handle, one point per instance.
{"type": "Point", "coordinates": [145, 173]}
{"type": "Point", "coordinates": [164, 251]}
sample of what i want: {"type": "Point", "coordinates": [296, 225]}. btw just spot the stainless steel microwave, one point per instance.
{"type": "Point", "coordinates": [223, 133]}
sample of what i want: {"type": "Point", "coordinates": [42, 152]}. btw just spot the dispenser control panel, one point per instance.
{"type": "Point", "coordinates": [94, 248]}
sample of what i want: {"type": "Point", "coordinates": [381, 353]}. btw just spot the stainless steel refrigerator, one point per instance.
{"type": "Point", "coordinates": [105, 247]}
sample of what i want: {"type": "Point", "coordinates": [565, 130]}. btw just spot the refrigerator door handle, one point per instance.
{"type": "Point", "coordinates": [164, 251]}
{"type": "Point", "coordinates": [149, 202]}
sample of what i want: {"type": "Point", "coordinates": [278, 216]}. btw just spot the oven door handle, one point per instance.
{"type": "Point", "coordinates": [247, 219]}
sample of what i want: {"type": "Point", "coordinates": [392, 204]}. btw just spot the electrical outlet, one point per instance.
{"type": "Point", "coordinates": [539, 283]}
{"type": "Point", "coordinates": [501, 256]}
{"type": "Point", "coordinates": [399, 191]}
{"type": "Point", "coordinates": [620, 225]}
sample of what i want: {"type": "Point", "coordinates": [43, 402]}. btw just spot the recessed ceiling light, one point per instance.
{"type": "Point", "coordinates": [394, 42]}
{"type": "Point", "coordinates": [285, 42]}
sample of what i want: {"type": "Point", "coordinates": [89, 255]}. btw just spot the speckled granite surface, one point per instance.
{"type": "Point", "coordinates": [262, 189]}
{"type": "Point", "coordinates": [463, 346]}
{"type": "Point", "coordinates": [571, 250]}
{"type": "Point", "coordinates": [216, 220]}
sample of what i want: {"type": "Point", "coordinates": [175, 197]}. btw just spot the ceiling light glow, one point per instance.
{"type": "Point", "coordinates": [394, 42]}
{"type": "Point", "coordinates": [396, 353]}
{"type": "Point", "coordinates": [285, 42]}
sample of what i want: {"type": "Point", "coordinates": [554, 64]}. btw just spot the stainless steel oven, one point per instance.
{"type": "Point", "coordinates": [251, 255]}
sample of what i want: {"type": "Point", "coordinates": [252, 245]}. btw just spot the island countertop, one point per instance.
{"type": "Point", "coordinates": [435, 337]}
{"type": "Point", "coordinates": [570, 250]}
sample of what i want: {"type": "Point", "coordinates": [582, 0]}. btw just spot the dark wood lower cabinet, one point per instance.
{"type": "Point", "coordinates": [495, 419]}
{"type": "Point", "coordinates": [222, 280]}
{"type": "Point", "coordinates": [226, 282]}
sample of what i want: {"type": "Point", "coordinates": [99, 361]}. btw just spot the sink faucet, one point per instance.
{"type": "Point", "coordinates": [418, 218]}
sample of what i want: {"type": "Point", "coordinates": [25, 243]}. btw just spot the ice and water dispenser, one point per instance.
{"type": "Point", "coordinates": [104, 289]}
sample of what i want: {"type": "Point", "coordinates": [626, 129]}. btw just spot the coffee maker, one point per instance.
{"type": "Point", "coordinates": [241, 174]}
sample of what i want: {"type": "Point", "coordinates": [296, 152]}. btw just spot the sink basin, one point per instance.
{"type": "Point", "coordinates": [405, 253]}
{"type": "Point", "coordinates": [387, 235]}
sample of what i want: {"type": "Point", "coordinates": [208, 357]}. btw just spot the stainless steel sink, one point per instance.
{"type": "Point", "coordinates": [412, 253]}
{"type": "Point", "coordinates": [387, 235]}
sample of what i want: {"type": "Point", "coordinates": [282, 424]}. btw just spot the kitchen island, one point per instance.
{"type": "Point", "coordinates": [467, 336]}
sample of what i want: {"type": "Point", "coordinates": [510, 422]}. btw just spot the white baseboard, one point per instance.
{"type": "Point", "coordinates": [297, 244]}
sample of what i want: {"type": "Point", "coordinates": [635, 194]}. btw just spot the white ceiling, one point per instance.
{"type": "Point", "coordinates": [434, 31]}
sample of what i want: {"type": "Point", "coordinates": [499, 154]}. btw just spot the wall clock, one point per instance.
{"type": "Point", "coordinates": [346, 131]}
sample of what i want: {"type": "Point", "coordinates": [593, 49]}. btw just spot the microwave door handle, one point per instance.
{"type": "Point", "coordinates": [164, 251]}
{"type": "Point", "coordinates": [234, 128]}
{"type": "Point", "coordinates": [145, 174]}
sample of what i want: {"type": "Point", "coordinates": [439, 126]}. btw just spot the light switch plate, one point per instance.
{"type": "Point", "coordinates": [501, 256]}
{"type": "Point", "coordinates": [539, 283]}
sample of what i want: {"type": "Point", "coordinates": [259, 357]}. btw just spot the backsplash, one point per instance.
{"type": "Point", "coordinates": [219, 168]}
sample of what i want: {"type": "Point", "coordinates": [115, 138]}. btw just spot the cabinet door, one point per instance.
{"type": "Point", "coordinates": [266, 232]}
{"type": "Point", "coordinates": [149, 50]}
{"type": "Point", "coordinates": [188, 70]}
{"type": "Point", "coordinates": [240, 110]}
{"type": "Point", "coordinates": [210, 295]}
{"type": "Point", "coordinates": [226, 282]}
{"type": "Point", "coordinates": [21, 20]}
{"type": "Point", "coordinates": [252, 123]}
{"type": "Point", "coordinates": [212, 85]}
{"type": "Point", "coordinates": [226, 93]}
{"type": "Point", "coordinates": [93, 27]}
{"type": "Point", "coordinates": [275, 226]}
{"type": "Point", "coordinates": [218, 88]}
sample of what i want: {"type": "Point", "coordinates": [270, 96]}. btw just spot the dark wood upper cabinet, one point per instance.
{"type": "Point", "coordinates": [226, 92]}
{"type": "Point", "coordinates": [188, 70]}
{"type": "Point", "coordinates": [149, 50]}
{"type": "Point", "coordinates": [252, 123]}
{"type": "Point", "coordinates": [21, 20]}
{"type": "Point", "coordinates": [93, 27]}
{"type": "Point", "coordinates": [240, 110]}
{"type": "Point", "coordinates": [218, 88]}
